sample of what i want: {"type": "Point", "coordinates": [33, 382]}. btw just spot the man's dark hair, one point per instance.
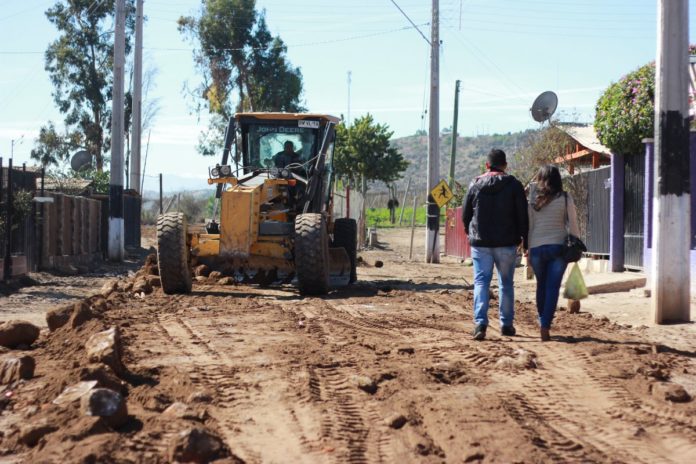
{"type": "Point", "coordinates": [496, 158]}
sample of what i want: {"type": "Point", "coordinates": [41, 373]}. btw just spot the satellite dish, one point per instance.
{"type": "Point", "coordinates": [80, 160]}
{"type": "Point", "coordinates": [544, 106]}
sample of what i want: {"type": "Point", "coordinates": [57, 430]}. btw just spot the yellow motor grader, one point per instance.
{"type": "Point", "coordinates": [275, 203]}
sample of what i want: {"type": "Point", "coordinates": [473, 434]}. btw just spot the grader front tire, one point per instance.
{"type": "Point", "coordinates": [312, 254]}
{"type": "Point", "coordinates": [173, 254]}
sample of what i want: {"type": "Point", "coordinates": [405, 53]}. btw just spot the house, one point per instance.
{"type": "Point", "coordinates": [585, 151]}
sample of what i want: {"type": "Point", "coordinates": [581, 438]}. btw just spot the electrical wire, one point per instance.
{"type": "Point", "coordinates": [411, 21]}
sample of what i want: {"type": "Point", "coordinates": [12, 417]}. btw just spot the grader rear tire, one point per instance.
{"type": "Point", "coordinates": [312, 254]}
{"type": "Point", "coordinates": [173, 253]}
{"type": "Point", "coordinates": [346, 236]}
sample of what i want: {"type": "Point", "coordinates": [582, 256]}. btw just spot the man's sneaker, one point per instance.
{"type": "Point", "coordinates": [480, 332]}
{"type": "Point", "coordinates": [508, 330]}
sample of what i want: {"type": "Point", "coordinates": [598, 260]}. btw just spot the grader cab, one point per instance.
{"type": "Point", "coordinates": [273, 219]}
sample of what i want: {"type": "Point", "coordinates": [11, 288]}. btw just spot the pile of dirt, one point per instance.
{"type": "Point", "coordinates": [69, 394]}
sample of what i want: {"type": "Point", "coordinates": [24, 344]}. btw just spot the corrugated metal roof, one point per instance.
{"type": "Point", "coordinates": [585, 136]}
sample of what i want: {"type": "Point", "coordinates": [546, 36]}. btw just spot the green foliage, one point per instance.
{"type": "Point", "coordinates": [21, 209]}
{"type": "Point", "coordinates": [363, 150]}
{"type": "Point", "coordinates": [625, 113]}
{"type": "Point", "coordinates": [80, 66]}
{"type": "Point", "coordinates": [379, 217]}
{"type": "Point", "coordinates": [238, 54]}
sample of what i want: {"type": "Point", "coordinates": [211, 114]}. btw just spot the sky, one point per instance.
{"type": "Point", "coordinates": [505, 52]}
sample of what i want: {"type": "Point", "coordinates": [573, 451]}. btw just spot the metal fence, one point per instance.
{"type": "Point", "coordinates": [593, 214]}
{"type": "Point", "coordinates": [17, 220]}
{"type": "Point", "coordinates": [456, 240]}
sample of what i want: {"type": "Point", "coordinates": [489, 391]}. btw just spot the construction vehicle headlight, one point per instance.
{"type": "Point", "coordinates": [284, 173]}
{"type": "Point", "coordinates": [225, 170]}
{"type": "Point", "coordinates": [215, 172]}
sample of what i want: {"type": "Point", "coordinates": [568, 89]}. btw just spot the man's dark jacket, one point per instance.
{"type": "Point", "coordinates": [495, 211]}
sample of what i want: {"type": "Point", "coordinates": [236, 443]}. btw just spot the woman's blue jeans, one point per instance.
{"type": "Point", "coordinates": [504, 259]}
{"type": "Point", "coordinates": [549, 267]}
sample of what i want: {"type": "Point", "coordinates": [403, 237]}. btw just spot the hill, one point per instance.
{"type": "Point", "coordinates": [471, 153]}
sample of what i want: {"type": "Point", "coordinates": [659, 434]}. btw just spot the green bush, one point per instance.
{"type": "Point", "coordinates": [625, 113]}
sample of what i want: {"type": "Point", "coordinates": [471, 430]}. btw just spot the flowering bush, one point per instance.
{"type": "Point", "coordinates": [625, 113]}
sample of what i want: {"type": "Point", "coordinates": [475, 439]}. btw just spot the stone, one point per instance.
{"type": "Point", "coordinates": [154, 281]}
{"type": "Point", "coordinates": [201, 279]}
{"type": "Point", "coordinates": [366, 384]}
{"type": "Point", "coordinates": [74, 392]}
{"type": "Point", "coordinates": [142, 286]}
{"type": "Point", "coordinates": [226, 281]}
{"type": "Point", "coordinates": [150, 260]}
{"type": "Point", "coordinates": [215, 275]}
{"type": "Point", "coordinates": [195, 445]}
{"type": "Point", "coordinates": [104, 376]}
{"type": "Point", "coordinates": [669, 391]}
{"type": "Point", "coordinates": [108, 288]}
{"type": "Point", "coordinates": [58, 317]}
{"type": "Point", "coordinates": [201, 270]}
{"type": "Point", "coordinates": [14, 332]}
{"type": "Point", "coordinates": [180, 410]}
{"type": "Point", "coordinates": [13, 368]}
{"type": "Point", "coordinates": [396, 421]}
{"type": "Point", "coordinates": [200, 396]}
{"type": "Point", "coordinates": [80, 314]}
{"type": "Point", "coordinates": [107, 404]}
{"type": "Point", "coordinates": [105, 347]}
{"type": "Point", "coordinates": [31, 433]}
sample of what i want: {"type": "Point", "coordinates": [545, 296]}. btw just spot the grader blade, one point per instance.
{"type": "Point", "coordinates": [339, 267]}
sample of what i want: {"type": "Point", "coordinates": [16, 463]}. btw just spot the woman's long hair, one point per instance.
{"type": "Point", "coordinates": [549, 186]}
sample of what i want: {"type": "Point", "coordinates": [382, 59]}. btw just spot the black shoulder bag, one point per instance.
{"type": "Point", "coordinates": [573, 248]}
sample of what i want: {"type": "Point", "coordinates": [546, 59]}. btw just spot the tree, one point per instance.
{"type": "Point", "coordinates": [238, 57]}
{"type": "Point", "coordinates": [80, 65]}
{"type": "Point", "coordinates": [364, 153]}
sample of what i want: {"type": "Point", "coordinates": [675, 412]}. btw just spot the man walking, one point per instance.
{"type": "Point", "coordinates": [495, 219]}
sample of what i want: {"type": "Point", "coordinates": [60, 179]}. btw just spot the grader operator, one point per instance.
{"type": "Point", "coordinates": [275, 200]}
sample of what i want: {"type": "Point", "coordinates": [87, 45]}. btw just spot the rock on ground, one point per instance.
{"type": "Point", "coordinates": [107, 404]}
{"type": "Point", "coordinates": [104, 376]}
{"type": "Point", "coordinates": [108, 288]}
{"type": "Point", "coordinates": [14, 333]}
{"type": "Point", "coordinates": [105, 347]}
{"type": "Point", "coordinates": [142, 285]}
{"type": "Point", "coordinates": [670, 392]}
{"type": "Point", "coordinates": [201, 270]}
{"type": "Point", "coordinates": [58, 317]}
{"type": "Point", "coordinates": [13, 368]}
{"type": "Point", "coordinates": [195, 445]}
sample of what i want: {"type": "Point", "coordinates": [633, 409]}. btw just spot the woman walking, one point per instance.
{"type": "Point", "coordinates": [552, 216]}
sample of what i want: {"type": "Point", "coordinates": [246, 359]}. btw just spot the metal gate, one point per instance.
{"type": "Point", "coordinates": [634, 189]}
{"type": "Point", "coordinates": [598, 193]}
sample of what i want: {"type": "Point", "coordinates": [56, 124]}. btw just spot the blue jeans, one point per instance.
{"type": "Point", "coordinates": [549, 267]}
{"type": "Point", "coordinates": [504, 259]}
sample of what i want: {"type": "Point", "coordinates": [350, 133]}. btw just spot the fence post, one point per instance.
{"type": "Point", "coordinates": [160, 185]}
{"type": "Point", "coordinates": [8, 225]}
{"type": "Point", "coordinates": [42, 219]}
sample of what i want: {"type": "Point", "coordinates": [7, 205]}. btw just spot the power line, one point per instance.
{"type": "Point", "coordinates": [410, 21]}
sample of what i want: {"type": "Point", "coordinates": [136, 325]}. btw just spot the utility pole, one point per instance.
{"type": "Point", "coordinates": [348, 113]}
{"type": "Point", "coordinates": [14, 142]}
{"type": "Point", "coordinates": [453, 158]}
{"type": "Point", "coordinates": [115, 248]}
{"type": "Point", "coordinates": [432, 252]}
{"type": "Point", "coordinates": [137, 98]}
{"type": "Point", "coordinates": [671, 201]}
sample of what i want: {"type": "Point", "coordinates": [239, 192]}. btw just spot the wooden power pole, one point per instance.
{"type": "Point", "coordinates": [115, 247]}
{"type": "Point", "coordinates": [671, 200]}
{"type": "Point", "coordinates": [432, 246]}
{"type": "Point", "coordinates": [453, 157]}
{"type": "Point", "coordinates": [135, 172]}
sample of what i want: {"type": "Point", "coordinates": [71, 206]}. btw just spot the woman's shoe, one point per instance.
{"type": "Point", "coordinates": [545, 334]}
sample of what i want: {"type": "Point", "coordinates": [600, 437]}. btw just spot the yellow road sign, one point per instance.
{"type": "Point", "coordinates": [442, 194]}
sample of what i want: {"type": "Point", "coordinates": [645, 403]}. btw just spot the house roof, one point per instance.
{"type": "Point", "coordinates": [585, 136]}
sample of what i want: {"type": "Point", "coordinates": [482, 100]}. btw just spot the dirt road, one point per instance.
{"type": "Point", "coordinates": [383, 372]}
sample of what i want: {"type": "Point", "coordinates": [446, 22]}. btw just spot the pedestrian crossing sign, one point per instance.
{"type": "Point", "coordinates": [442, 194]}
